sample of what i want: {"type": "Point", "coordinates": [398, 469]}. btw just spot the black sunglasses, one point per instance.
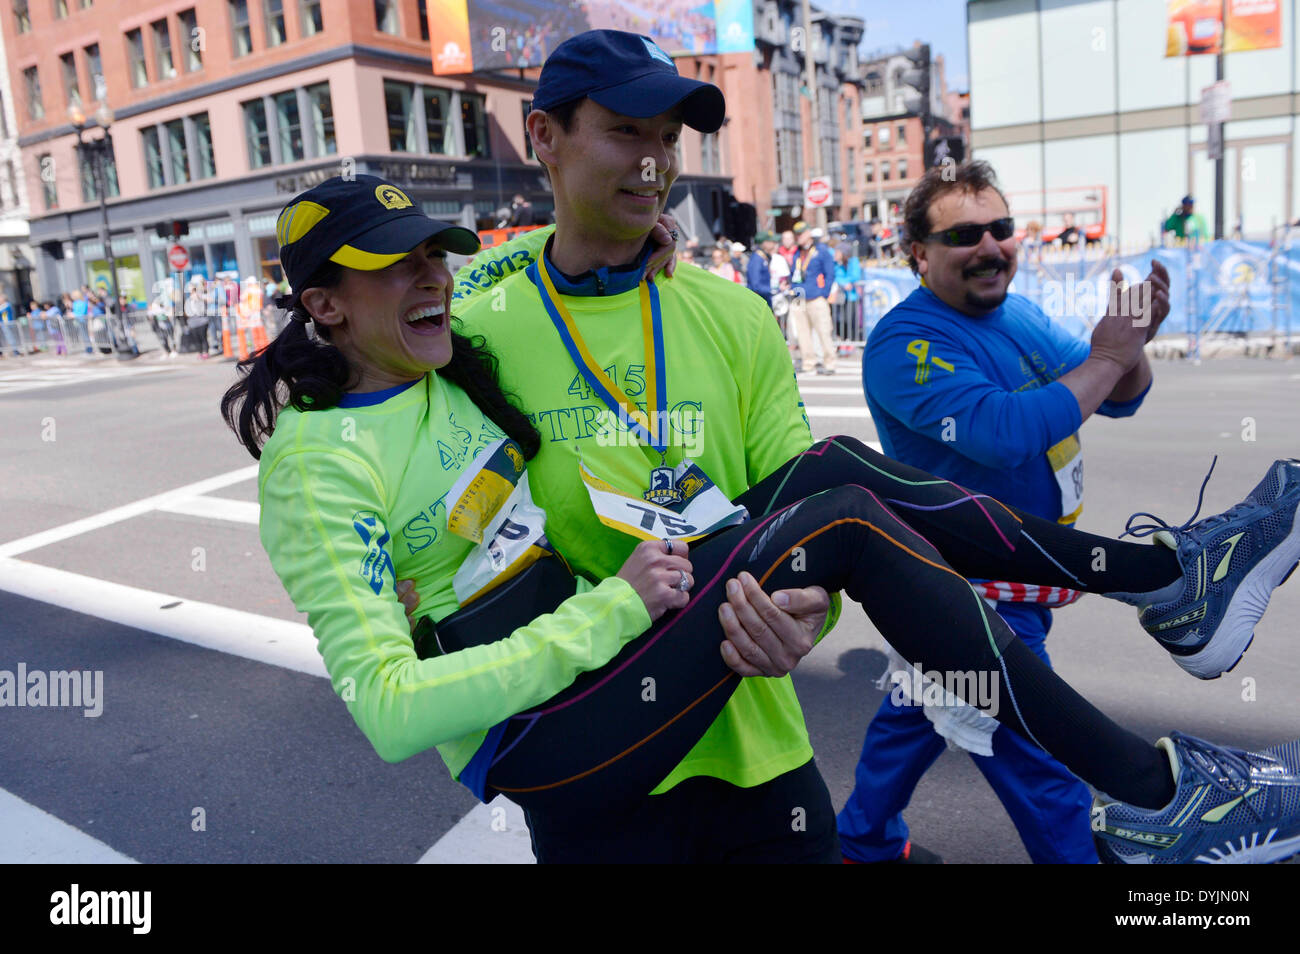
{"type": "Point", "coordinates": [964, 236]}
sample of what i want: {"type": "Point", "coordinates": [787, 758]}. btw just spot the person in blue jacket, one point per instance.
{"type": "Point", "coordinates": [812, 275]}
{"type": "Point", "coordinates": [848, 272]}
{"type": "Point", "coordinates": [758, 274]}
{"type": "Point", "coordinates": [979, 386]}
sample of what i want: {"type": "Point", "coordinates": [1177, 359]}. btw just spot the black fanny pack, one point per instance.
{"type": "Point", "coordinates": [537, 590]}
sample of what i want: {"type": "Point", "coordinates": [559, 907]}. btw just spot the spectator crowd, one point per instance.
{"type": "Point", "coordinates": [199, 316]}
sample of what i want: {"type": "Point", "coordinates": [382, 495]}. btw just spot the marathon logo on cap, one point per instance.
{"type": "Point", "coordinates": [655, 52]}
{"type": "Point", "coordinates": [391, 197]}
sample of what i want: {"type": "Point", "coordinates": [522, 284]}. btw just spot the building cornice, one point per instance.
{"type": "Point", "coordinates": [347, 51]}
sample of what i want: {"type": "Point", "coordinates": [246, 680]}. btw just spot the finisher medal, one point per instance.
{"type": "Point", "coordinates": [663, 487]}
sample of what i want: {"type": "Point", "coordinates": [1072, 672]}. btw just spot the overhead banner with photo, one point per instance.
{"type": "Point", "coordinates": [1227, 26]}
{"type": "Point", "coordinates": [511, 34]}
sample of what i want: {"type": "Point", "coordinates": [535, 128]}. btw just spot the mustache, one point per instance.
{"type": "Point", "coordinates": [1001, 264]}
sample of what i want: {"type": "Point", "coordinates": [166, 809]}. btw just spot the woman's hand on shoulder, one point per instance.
{"type": "Point", "coordinates": [656, 575]}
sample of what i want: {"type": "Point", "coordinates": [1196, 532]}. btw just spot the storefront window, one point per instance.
{"type": "Point", "coordinates": [224, 258]}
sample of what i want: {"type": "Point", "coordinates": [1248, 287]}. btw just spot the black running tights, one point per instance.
{"type": "Point", "coordinates": [899, 542]}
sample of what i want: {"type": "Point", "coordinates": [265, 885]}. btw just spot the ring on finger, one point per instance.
{"type": "Point", "coordinates": [685, 584]}
{"type": "Point", "coordinates": [668, 545]}
{"type": "Point", "coordinates": [673, 233]}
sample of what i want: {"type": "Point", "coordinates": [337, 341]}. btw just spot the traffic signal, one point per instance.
{"type": "Point", "coordinates": [172, 230]}
{"type": "Point", "coordinates": [740, 221]}
{"type": "Point", "coordinates": [916, 83]}
{"type": "Point", "coordinates": [945, 148]}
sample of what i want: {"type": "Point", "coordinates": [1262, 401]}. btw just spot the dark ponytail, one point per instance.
{"type": "Point", "coordinates": [308, 373]}
{"type": "Point", "coordinates": [474, 368]}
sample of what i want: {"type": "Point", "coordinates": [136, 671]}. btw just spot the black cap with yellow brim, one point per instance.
{"type": "Point", "coordinates": [360, 222]}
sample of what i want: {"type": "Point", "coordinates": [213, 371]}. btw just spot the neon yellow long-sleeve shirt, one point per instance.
{"type": "Point", "coordinates": [733, 405]}
{"type": "Point", "coordinates": [354, 498]}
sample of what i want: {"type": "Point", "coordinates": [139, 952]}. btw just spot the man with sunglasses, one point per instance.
{"type": "Point", "coordinates": [979, 386]}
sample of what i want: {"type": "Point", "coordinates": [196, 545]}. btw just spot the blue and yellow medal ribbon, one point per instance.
{"type": "Point", "coordinates": [653, 430]}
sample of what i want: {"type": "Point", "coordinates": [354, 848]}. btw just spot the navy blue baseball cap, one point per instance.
{"type": "Point", "coordinates": [629, 74]}
{"type": "Point", "coordinates": [360, 222]}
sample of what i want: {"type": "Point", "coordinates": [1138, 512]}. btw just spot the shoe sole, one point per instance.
{"type": "Point", "coordinates": [1237, 630]}
{"type": "Point", "coordinates": [1256, 854]}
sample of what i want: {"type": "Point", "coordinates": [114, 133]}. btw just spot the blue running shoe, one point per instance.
{"type": "Point", "coordinates": [1231, 564]}
{"type": "Point", "coordinates": [1230, 807]}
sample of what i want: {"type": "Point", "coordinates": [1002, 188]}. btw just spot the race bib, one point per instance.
{"type": "Point", "coordinates": [1066, 459]}
{"type": "Point", "coordinates": [702, 509]}
{"type": "Point", "coordinates": [492, 507]}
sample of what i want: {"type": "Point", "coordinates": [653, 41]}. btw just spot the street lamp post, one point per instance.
{"type": "Point", "coordinates": [95, 150]}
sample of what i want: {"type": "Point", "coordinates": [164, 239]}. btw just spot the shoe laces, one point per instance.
{"type": "Point", "coordinates": [1146, 529]}
{"type": "Point", "coordinates": [1233, 767]}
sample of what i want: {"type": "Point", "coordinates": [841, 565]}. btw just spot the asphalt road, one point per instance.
{"type": "Point", "coordinates": [267, 758]}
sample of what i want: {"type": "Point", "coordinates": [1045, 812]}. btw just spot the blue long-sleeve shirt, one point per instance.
{"type": "Point", "coordinates": [977, 400]}
{"type": "Point", "coordinates": [846, 275]}
{"type": "Point", "coordinates": [819, 271]}
{"type": "Point", "coordinates": [758, 276]}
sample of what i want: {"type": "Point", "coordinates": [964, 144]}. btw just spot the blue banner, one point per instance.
{"type": "Point", "coordinates": [1223, 287]}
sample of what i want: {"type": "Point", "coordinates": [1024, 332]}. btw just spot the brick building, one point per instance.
{"type": "Point", "coordinates": [225, 108]}
{"type": "Point", "coordinates": [222, 109]}
{"type": "Point", "coordinates": [893, 132]}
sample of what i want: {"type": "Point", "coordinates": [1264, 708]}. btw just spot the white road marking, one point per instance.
{"type": "Point", "coordinates": [35, 837]}
{"type": "Point", "coordinates": [836, 410]}
{"type": "Point", "coordinates": [215, 508]}
{"type": "Point", "coordinates": [277, 642]}
{"type": "Point", "coordinates": [474, 839]}
{"type": "Point", "coordinates": [126, 512]}
{"type": "Point", "coordinates": [32, 380]}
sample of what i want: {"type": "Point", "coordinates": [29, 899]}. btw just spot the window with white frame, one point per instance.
{"type": "Point", "coordinates": [273, 12]}
{"type": "Point", "coordinates": [310, 17]}
{"type": "Point", "coordinates": [135, 59]}
{"type": "Point", "coordinates": [386, 19]}
{"type": "Point", "coordinates": [164, 64]}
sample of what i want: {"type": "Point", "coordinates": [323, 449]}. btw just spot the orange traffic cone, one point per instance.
{"type": "Point", "coordinates": [260, 340]}
{"type": "Point", "coordinates": [226, 349]}
{"type": "Point", "coordinates": [241, 329]}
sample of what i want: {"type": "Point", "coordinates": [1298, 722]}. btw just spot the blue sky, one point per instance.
{"type": "Point", "coordinates": [941, 23]}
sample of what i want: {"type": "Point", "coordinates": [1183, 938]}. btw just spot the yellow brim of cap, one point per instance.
{"type": "Point", "coordinates": [351, 257]}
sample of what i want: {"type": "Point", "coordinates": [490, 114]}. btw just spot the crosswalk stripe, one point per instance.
{"type": "Point", "coordinates": [494, 834]}
{"type": "Point", "coordinates": [277, 642]}
{"type": "Point", "coordinates": [836, 410]}
{"type": "Point", "coordinates": [46, 537]}
{"type": "Point", "coordinates": [811, 390]}
{"type": "Point", "coordinates": [21, 381]}
{"type": "Point", "coordinates": [33, 836]}
{"type": "Point", "coordinates": [215, 508]}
